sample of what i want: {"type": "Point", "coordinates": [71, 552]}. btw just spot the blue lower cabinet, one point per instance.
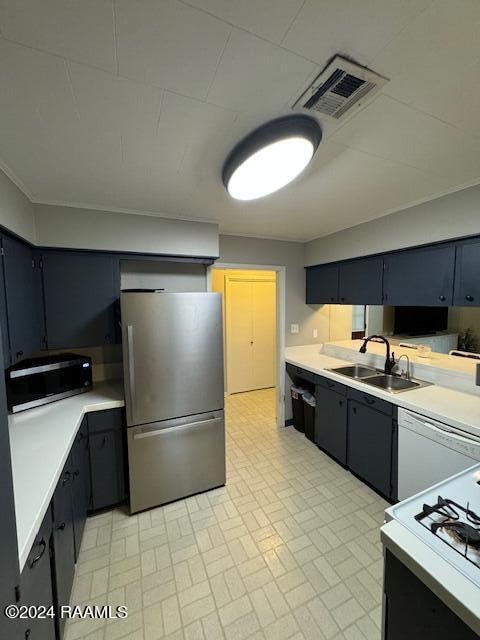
{"type": "Point", "coordinates": [63, 543]}
{"type": "Point", "coordinates": [331, 422]}
{"type": "Point", "coordinates": [107, 458]}
{"type": "Point", "coordinates": [81, 487]}
{"type": "Point", "coordinates": [413, 611]}
{"type": "Point", "coordinates": [36, 589]}
{"type": "Point", "coordinates": [94, 476]}
{"type": "Point", "coordinates": [370, 443]}
{"type": "Point", "coordinates": [108, 465]}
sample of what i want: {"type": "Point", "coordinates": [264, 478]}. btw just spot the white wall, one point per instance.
{"type": "Point", "coordinates": [59, 226]}
{"type": "Point", "coordinates": [16, 210]}
{"type": "Point", "coordinates": [253, 251]}
{"type": "Point", "coordinates": [454, 215]}
{"type": "Point", "coordinates": [170, 276]}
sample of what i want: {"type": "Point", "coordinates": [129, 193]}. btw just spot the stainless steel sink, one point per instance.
{"type": "Point", "coordinates": [393, 384]}
{"type": "Point", "coordinates": [375, 378]}
{"type": "Point", "coordinates": [357, 371]}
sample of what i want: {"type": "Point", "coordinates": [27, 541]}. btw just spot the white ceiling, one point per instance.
{"type": "Point", "coordinates": [134, 106]}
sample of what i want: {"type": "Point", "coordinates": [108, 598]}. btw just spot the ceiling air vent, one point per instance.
{"type": "Point", "coordinates": [340, 86]}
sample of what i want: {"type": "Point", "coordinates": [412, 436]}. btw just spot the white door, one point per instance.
{"type": "Point", "coordinates": [250, 310]}
{"type": "Point", "coordinates": [264, 333]}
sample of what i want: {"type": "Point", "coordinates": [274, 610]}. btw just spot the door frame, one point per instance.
{"type": "Point", "coordinates": [228, 280]}
{"type": "Point", "coordinates": [280, 323]}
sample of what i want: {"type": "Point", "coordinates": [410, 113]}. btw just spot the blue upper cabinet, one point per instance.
{"type": "Point", "coordinates": [467, 274]}
{"type": "Point", "coordinates": [81, 292]}
{"type": "Point", "coordinates": [322, 284]}
{"type": "Point", "coordinates": [360, 281]}
{"type": "Point", "coordinates": [23, 299]}
{"type": "Point", "coordinates": [420, 277]}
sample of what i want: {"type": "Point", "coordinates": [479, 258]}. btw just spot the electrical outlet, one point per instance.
{"type": "Point", "coordinates": [294, 328]}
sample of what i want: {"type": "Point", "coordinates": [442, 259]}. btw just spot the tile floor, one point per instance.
{"type": "Point", "coordinates": [288, 549]}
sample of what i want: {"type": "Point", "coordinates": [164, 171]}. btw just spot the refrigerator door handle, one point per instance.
{"type": "Point", "coordinates": [131, 369]}
{"type": "Point", "coordinates": [177, 427]}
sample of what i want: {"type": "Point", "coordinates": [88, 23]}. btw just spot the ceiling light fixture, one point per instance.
{"type": "Point", "coordinates": [271, 156]}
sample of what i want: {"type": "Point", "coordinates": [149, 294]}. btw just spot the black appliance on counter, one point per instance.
{"type": "Point", "coordinates": [419, 321]}
{"type": "Point", "coordinates": [36, 381]}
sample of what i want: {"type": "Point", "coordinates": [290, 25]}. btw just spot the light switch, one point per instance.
{"type": "Point", "coordinates": [315, 333]}
{"type": "Point", "coordinates": [294, 328]}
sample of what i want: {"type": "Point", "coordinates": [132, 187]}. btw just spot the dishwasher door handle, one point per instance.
{"type": "Point", "coordinates": [452, 433]}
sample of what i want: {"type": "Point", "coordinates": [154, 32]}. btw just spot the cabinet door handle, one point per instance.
{"type": "Point", "coordinates": [27, 634]}
{"type": "Point", "coordinates": [76, 473]}
{"type": "Point", "coordinates": [43, 546]}
{"type": "Point", "coordinates": [104, 441]}
{"type": "Point", "coordinates": [340, 402]}
{"type": "Point", "coordinates": [66, 478]}
{"type": "Point", "coordinates": [469, 298]}
{"type": "Point", "coordinates": [61, 527]}
{"type": "Point", "coordinates": [442, 298]}
{"type": "Point", "coordinates": [19, 353]}
{"type": "Point", "coordinates": [354, 410]}
{"type": "Point", "coordinates": [369, 400]}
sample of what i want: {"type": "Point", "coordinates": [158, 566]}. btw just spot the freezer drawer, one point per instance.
{"type": "Point", "coordinates": [173, 459]}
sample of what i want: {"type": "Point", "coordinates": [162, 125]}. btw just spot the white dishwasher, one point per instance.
{"type": "Point", "coordinates": [430, 451]}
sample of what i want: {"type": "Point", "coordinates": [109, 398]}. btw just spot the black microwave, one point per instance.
{"type": "Point", "coordinates": [36, 381]}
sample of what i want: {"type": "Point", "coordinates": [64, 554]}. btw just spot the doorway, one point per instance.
{"type": "Point", "coordinates": [249, 303]}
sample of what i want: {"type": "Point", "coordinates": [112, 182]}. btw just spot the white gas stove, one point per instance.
{"type": "Point", "coordinates": [446, 517]}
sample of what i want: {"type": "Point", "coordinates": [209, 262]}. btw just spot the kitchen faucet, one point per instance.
{"type": "Point", "coordinates": [389, 361]}
{"type": "Point", "coordinates": [407, 372]}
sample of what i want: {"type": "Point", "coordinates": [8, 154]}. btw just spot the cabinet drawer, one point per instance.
{"type": "Point", "coordinates": [297, 372]}
{"type": "Point", "coordinates": [108, 420]}
{"type": "Point", "coordinates": [371, 401]}
{"type": "Point", "coordinates": [332, 385]}
{"type": "Point", "coordinates": [307, 375]}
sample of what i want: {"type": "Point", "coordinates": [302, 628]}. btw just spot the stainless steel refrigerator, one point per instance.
{"type": "Point", "coordinates": [173, 371]}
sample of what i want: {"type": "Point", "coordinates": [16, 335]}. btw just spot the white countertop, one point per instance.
{"type": "Point", "coordinates": [40, 441]}
{"type": "Point", "coordinates": [450, 585]}
{"type": "Point", "coordinates": [458, 409]}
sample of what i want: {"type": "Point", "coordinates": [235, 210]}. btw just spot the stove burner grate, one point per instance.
{"type": "Point", "coordinates": [462, 535]}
